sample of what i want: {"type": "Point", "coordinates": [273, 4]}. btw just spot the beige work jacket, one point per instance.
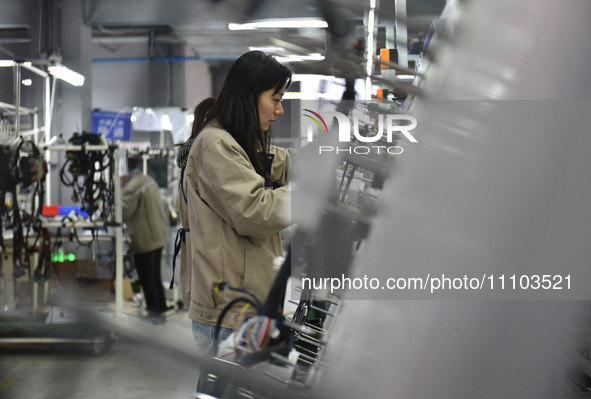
{"type": "Point", "coordinates": [143, 213]}
{"type": "Point", "coordinates": [235, 223]}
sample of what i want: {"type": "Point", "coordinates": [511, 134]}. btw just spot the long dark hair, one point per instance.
{"type": "Point", "coordinates": [236, 107]}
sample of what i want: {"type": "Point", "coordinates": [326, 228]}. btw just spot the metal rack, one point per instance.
{"type": "Point", "coordinates": [118, 223]}
{"type": "Point", "coordinates": [85, 333]}
{"type": "Point", "coordinates": [100, 340]}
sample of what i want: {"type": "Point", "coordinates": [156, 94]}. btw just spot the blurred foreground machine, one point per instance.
{"type": "Point", "coordinates": [495, 189]}
{"type": "Point", "coordinates": [497, 185]}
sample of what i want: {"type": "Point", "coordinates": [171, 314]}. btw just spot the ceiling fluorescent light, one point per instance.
{"type": "Point", "coordinates": [280, 23]}
{"type": "Point", "coordinates": [268, 49]}
{"type": "Point", "coordinates": [66, 74]}
{"type": "Point", "coordinates": [297, 58]}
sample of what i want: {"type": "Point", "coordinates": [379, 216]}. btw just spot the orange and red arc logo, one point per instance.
{"type": "Point", "coordinates": [316, 120]}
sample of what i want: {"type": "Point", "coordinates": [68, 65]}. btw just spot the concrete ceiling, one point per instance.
{"type": "Point", "coordinates": [202, 24]}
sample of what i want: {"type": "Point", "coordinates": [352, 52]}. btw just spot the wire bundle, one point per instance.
{"type": "Point", "coordinates": [85, 172]}
{"type": "Point", "coordinates": [256, 334]}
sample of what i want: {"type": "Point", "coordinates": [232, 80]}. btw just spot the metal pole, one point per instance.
{"type": "Point", "coordinates": [118, 238]}
{"type": "Point", "coordinates": [35, 295]}
{"type": "Point", "coordinates": [390, 73]}
{"type": "Point", "coordinates": [47, 127]}
{"type": "Point", "coordinates": [36, 128]}
{"type": "Point", "coordinates": [16, 72]}
{"type": "Point", "coordinates": [401, 32]}
{"type": "Point", "coordinates": [370, 48]}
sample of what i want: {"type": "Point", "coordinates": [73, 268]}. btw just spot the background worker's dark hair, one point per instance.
{"type": "Point", "coordinates": [236, 107]}
{"type": "Point", "coordinates": [199, 116]}
{"type": "Point", "coordinates": [133, 162]}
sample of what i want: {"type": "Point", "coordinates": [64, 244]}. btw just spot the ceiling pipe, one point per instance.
{"type": "Point", "coordinates": [170, 39]}
{"type": "Point", "coordinates": [159, 59]}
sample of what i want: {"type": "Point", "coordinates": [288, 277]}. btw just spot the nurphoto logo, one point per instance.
{"type": "Point", "coordinates": [387, 124]}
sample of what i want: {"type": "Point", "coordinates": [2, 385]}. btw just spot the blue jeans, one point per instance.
{"type": "Point", "coordinates": [204, 335]}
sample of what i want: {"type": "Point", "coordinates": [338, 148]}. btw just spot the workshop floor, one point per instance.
{"type": "Point", "coordinates": [131, 368]}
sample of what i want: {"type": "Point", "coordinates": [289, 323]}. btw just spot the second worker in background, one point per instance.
{"type": "Point", "coordinates": [147, 223]}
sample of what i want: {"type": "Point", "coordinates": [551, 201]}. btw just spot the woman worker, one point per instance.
{"type": "Point", "coordinates": [237, 198]}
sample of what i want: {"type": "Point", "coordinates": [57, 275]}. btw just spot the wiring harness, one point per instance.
{"type": "Point", "coordinates": [88, 172]}
{"type": "Point", "coordinates": [23, 170]}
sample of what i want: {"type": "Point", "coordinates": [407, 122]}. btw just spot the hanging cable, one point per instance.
{"type": "Point", "coordinates": [86, 172]}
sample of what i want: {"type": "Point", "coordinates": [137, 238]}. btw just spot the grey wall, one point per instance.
{"type": "Point", "coordinates": [128, 79]}
{"type": "Point", "coordinates": [120, 84]}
